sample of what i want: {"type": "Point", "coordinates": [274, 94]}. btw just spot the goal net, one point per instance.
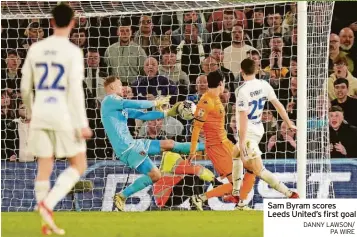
{"type": "Point", "coordinates": [164, 48]}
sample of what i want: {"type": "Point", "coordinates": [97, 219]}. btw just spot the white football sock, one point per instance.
{"type": "Point", "coordinates": [273, 181]}
{"type": "Point", "coordinates": [42, 187]}
{"type": "Point", "coordinates": [65, 182]}
{"type": "Point", "coordinates": [203, 197]}
{"type": "Point", "coordinates": [237, 176]}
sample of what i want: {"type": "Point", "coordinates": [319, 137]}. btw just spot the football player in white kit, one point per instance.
{"type": "Point", "coordinates": [54, 67]}
{"type": "Point", "coordinates": [250, 99]}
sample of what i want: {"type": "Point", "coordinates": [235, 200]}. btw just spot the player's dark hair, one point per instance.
{"type": "Point", "coordinates": [214, 78]}
{"type": "Point", "coordinates": [62, 15]}
{"type": "Point", "coordinates": [293, 58]}
{"type": "Point", "coordinates": [109, 80]}
{"type": "Point", "coordinates": [248, 66]}
{"type": "Point", "coordinates": [341, 81]}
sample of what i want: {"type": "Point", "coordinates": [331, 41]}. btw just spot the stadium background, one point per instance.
{"type": "Point", "coordinates": [94, 35]}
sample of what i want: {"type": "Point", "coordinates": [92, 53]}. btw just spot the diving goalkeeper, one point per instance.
{"type": "Point", "coordinates": [115, 112]}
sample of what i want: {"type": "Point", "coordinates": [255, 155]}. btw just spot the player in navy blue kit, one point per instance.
{"type": "Point", "coordinates": [135, 153]}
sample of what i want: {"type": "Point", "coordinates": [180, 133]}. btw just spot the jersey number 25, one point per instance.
{"type": "Point", "coordinates": [42, 85]}
{"type": "Point", "coordinates": [257, 105]}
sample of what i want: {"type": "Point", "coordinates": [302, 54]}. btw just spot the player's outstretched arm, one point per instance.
{"type": "Point", "coordinates": [282, 112]}
{"type": "Point", "coordinates": [119, 103]}
{"type": "Point", "coordinates": [277, 104]}
{"type": "Point", "coordinates": [114, 102]}
{"type": "Point", "coordinates": [136, 104]}
{"type": "Point", "coordinates": [27, 83]}
{"type": "Point", "coordinates": [150, 115]}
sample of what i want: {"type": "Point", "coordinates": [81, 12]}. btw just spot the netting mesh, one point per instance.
{"type": "Point", "coordinates": [29, 9]}
{"type": "Point", "coordinates": [318, 136]}
{"type": "Point", "coordinates": [172, 46]}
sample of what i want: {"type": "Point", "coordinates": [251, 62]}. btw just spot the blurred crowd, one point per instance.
{"type": "Point", "coordinates": [171, 53]}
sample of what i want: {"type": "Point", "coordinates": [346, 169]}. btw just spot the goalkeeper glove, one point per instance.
{"type": "Point", "coordinates": [173, 111]}
{"type": "Point", "coordinates": [159, 102]}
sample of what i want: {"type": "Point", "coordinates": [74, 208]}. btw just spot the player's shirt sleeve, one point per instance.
{"type": "Point", "coordinates": [138, 114]}
{"type": "Point", "coordinates": [242, 101]}
{"type": "Point", "coordinates": [114, 102]}
{"type": "Point", "coordinates": [269, 91]}
{"type": "Point", "coordinates": [135, 104]}
{"type": "Point", "coordinates": [76, 92]}
{"type": "Point", "coordinates": [27, 82]}
{"type": "Point", "coordinates": [204, 106]}
{"type": "Point", "coordinates": [203, 109]}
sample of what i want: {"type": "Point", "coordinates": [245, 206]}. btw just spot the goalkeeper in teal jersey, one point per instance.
{"type": "Point", "coordinates": [135, 153]}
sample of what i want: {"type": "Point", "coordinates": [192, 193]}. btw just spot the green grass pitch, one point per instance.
{"type": "Point", "coordinates": [140, 224]}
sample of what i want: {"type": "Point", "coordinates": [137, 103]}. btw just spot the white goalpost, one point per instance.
{"type": "Point", "coordinates": [302, 98]}
{"type": "Point", "coordinates": [299, 32]}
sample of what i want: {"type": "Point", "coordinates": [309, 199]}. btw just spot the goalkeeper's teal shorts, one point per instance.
{"type": "Point", "coordinates": [137, 157]}
{"type": "Point", "coordinates": [146, 166]}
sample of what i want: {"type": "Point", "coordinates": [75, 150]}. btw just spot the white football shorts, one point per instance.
{"type": "Point", "coordinates": [252, 145]}
{"type": "Point", "coordinates": [63, 144]}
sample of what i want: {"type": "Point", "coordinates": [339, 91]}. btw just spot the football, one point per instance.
{"type": "Point", "coordinates": [186, 110]}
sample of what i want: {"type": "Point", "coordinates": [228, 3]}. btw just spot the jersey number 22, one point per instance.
{"type": "Point", "coordinates": [42, 85]}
